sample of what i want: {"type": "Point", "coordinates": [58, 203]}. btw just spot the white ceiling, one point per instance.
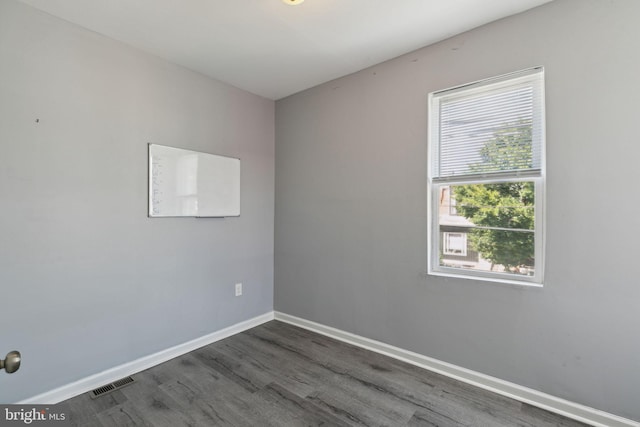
{"type": "Point", "coordinates": [272, 49]}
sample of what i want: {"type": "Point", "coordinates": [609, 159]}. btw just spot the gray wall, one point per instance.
{"type": "Point", "coordinates": [88, 281]}
{"type": "Point", "coordinates": [350, 224]}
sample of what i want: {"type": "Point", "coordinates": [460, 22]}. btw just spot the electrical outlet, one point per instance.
{"type": "Point", "coordinates": [238, 289]}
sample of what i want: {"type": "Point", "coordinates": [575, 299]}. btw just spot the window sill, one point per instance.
{"type": "Point", "coordinates": [528, 282]}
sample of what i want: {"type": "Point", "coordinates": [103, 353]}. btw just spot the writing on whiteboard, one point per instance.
{"type": "Point", "coordinates": [191, 183]}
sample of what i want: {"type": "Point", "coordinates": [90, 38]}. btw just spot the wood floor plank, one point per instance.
{"type": "Point", "coordinates": [234, 369]}
{"type": "Point", "coordinates": [297, 376]}
{"type": "Point", "coordinates": [157, 407]}
{"type": "Point", "coordinates": [296, 366]}
{"type": "Point", "coordinates": [429, 418]}
{"type": "Point", "coordinates": [303, 411]}
{"type": "Point", "coordinates": [543, 418]}
{"type": "Point", "coordinates": [85, 409]}
{"type": "Point", "coordinates": [124, 415]}
{"type": "Point", "coordinates": [91, 421]}
{"type": "Point", "coordinates": [280, 375]}
{"type": "Point", "coordinates": [217, 408]}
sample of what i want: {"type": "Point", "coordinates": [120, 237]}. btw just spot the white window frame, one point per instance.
{"type": "Point", "coordinates": [435, 185]}
{"type": "Point", "coordinates": [446, 238]}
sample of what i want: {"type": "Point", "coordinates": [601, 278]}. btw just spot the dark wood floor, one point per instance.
{"type": "Point", "coordinates": [280, 375]}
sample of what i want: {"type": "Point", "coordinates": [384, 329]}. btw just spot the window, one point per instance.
{"type": "Point", "coordinates": [486, 179]}
{"type": "Point", "coordinates": [454, 244]}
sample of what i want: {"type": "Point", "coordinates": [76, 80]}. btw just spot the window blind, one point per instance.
{"type": "Point", "coordinates": [493, 128]}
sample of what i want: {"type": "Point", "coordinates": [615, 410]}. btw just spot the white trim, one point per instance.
{"type": "Point", "coordinates": [508, 77]}
{"type": "Point", "coordinates": [542, 400]}
{"type": "Point", "coordinates": [110, 375]}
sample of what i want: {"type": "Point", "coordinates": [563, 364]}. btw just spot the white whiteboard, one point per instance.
{"type": "Point", "coordinates": [191, 183]}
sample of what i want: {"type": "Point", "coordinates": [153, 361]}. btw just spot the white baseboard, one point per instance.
{"type": "Point", "coordinates": [94, 381]}
{"type": "Point", "coordinates": [551, 403]}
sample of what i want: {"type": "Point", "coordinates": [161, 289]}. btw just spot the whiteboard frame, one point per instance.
{"type": "Point", "coordinates": [150, 210]}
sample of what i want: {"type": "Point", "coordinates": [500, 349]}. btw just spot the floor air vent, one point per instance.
{"type": "Point", "coordinates": [101, 391]}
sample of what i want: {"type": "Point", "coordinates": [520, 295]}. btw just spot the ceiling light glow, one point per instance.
{"type": "Point", "coordinates": [293, 2]}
